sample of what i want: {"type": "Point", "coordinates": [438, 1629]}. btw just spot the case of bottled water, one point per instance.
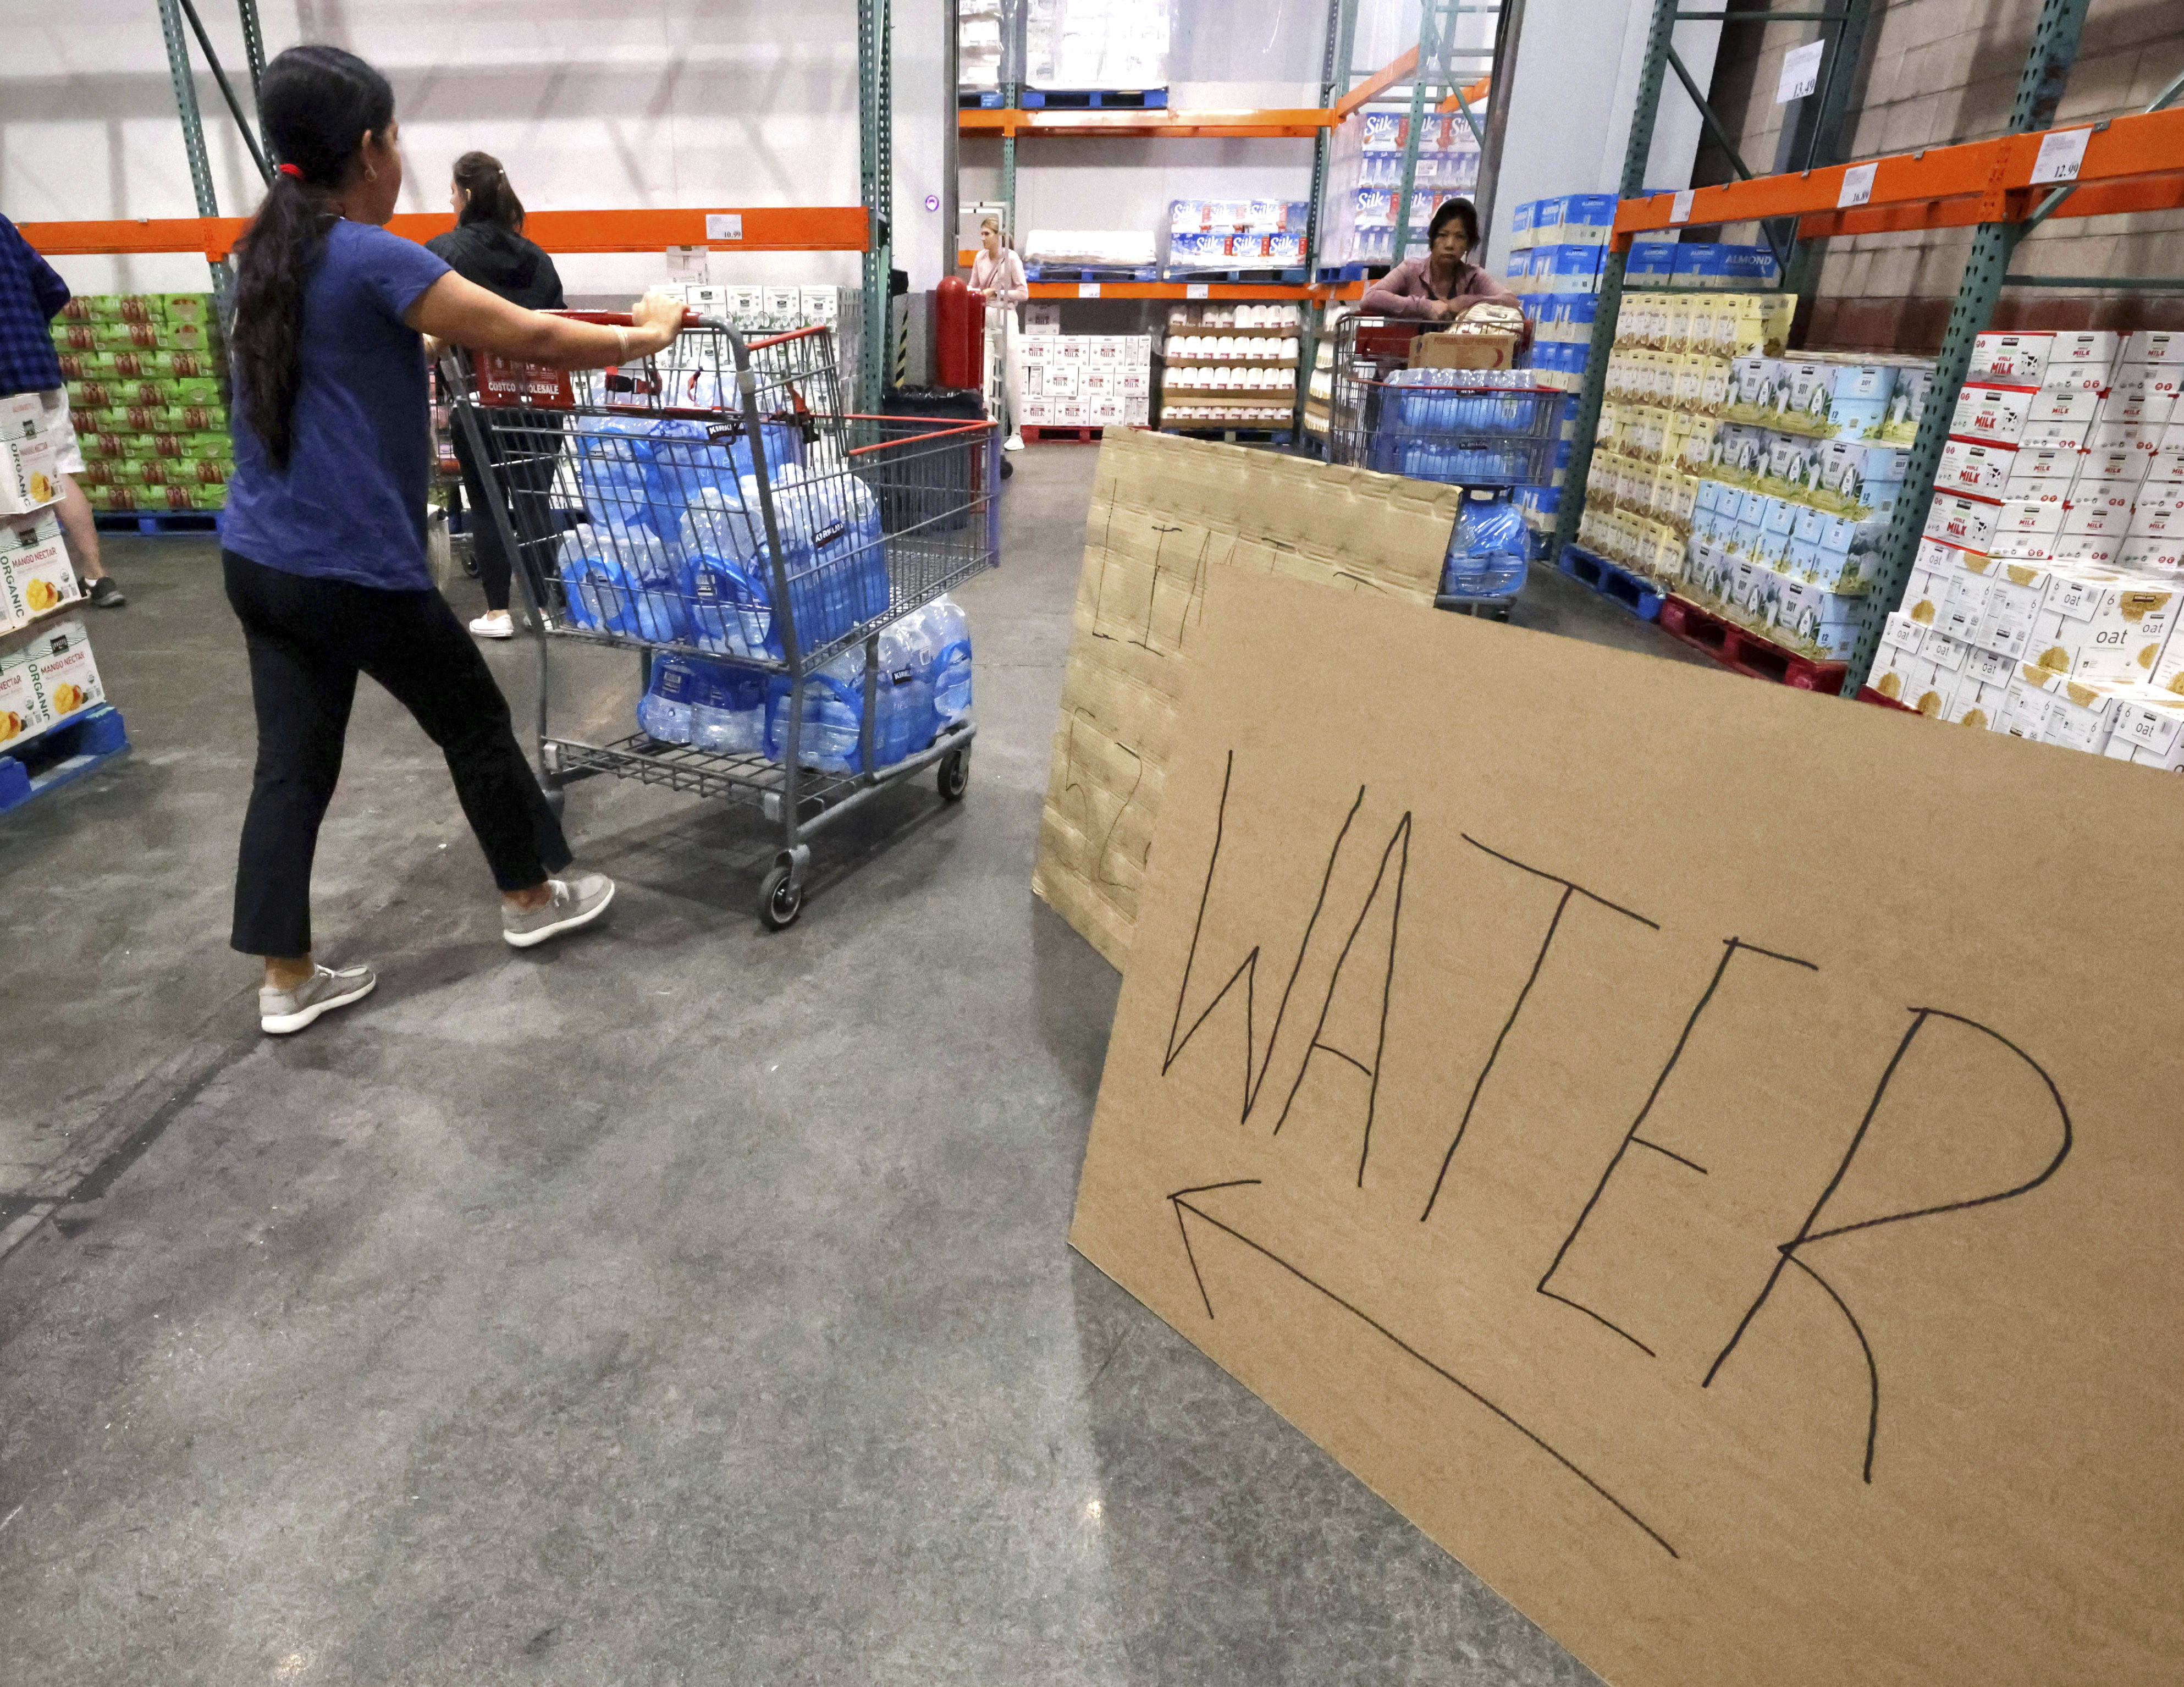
{"type": "Point", "coordinates": [1486, 558]}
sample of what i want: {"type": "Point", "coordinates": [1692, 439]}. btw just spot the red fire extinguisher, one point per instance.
{"type": "Point", "coordinates": [959, 334]}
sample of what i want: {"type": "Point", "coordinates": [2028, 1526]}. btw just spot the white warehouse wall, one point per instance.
{"type": "Point", "coordinates": [1577, 59]}
{"type": "Point", "coordinates": [591, 106]}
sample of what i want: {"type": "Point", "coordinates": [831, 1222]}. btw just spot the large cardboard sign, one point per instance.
{"type": "Point", "coordinates": [1708, 1154]}
{"type": "Point", "coordinates": [1167, 513]}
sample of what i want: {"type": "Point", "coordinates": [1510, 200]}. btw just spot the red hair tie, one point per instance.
{"type": "Point", "coordinates": [291, 170]}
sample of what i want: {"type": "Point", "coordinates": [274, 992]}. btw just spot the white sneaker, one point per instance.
{"type": "Point", "coordinates": [578, 900]}
{"type": "Point", "coordinates": [282, 1011]}
{"type": "Point", "coordinates": [493, 624]}
{"type": "Point", "coordinates": [1013, 442]}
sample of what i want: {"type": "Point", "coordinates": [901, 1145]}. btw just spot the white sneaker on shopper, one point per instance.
{"type": "Point", "coordinates": [282, 1011]}
{"type": "Point", "coordinates": [1013, 442]}
{"type": "Point", "coordinates": [493, 624]}
{"type": "Point", "coordinates": [576, 900]}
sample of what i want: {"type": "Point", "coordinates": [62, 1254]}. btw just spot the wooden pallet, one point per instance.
{"type": "Point", "coordinates": [1743, 651]}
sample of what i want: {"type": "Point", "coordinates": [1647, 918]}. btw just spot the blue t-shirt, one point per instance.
{"type": "Point", "coordinates": [351, 504]}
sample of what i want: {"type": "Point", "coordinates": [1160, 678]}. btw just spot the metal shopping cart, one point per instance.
{"type": "Point", "coordinates": [717, 503]}
{"type": "Point", "coordinates": [1473, 428]}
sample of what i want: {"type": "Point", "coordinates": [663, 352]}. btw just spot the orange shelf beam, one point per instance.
{"type": "Point", "coordinates": [1386, 77]}
{"type": "Point", "coordinates": [2131, 163]}
{"type": "Point", "coordinates": [824, 228]}
{"type": "Point", "coordinates": [1261, 291]}
{"type": "Point", "coordinates": [1476, 91]}
{"type": "Point", "coordinates": [1298, 124]}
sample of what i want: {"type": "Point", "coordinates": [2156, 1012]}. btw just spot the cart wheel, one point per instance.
{"type": "Point", "coordinates": [955, 776]}
{"type": "Point", "coordinates": [1008, 469]}
{"type": "Point", "coordinates": [780, 901]}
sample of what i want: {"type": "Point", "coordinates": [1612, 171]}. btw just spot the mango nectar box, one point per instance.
{"type": "Point", "coordinates": [30, 475]}
{"type": "Point", "coordinates": [21, 711]}
{"type": "Point", "coordinates": [64, 673]}
{"type": "Point", "coordinates": [36, 575]}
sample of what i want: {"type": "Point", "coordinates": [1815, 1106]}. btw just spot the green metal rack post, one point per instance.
{"type": "Point", "coordinates": [2040, 88]}
{"type": "Point", "coordinates": [876, 181]}
{"type": "Point", "coordinates": [1848, 21]}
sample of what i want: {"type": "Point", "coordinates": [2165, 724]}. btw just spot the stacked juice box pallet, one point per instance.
{"type": "Point", "coordinates": [2051, 572]}
{"type": "Point", "coordinates": [1086, 380]}
{"type": "Point", "coordinates": [1756, 483]}
{"type": "Point", "coordinates": [148, 400]}
{"type": "Point", "coordinates": [1365, 182]}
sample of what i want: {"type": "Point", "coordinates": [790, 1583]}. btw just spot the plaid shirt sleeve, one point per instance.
{"type": "Point", "coordinates": [31, 293]}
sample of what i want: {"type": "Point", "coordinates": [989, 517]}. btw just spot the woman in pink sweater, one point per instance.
{"type": "Point", "coordinates": [1441, 286]}
{"type": "Point", "coordinates": [999, 273]}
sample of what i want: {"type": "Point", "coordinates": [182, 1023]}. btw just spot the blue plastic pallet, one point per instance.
{"type": "Point", "coordinates": [156, 522]}
{"type": "Point", "coordinates": [1352, 272]}
{"type": "Point", "coordinates": [984, 99]}
{"type": "Point", "coordinates": [1617, 584]}
{"type": "Point", "coordinates": [1241, 277]}
{"type": "Point", "coordinates": [1090, 272]}
{"type": "Point", "coordinates": [66, 750]}
{"type": "Point", "coordinates": [1095, 99]}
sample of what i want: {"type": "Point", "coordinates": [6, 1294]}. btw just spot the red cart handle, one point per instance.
{"type": "Point", "coordinates": [618, 318]}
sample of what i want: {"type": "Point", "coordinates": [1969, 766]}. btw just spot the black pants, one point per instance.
{"type": "Point", "coordinates": [531, 442]}
{"type": "Point", "coordinates": [309, 639]}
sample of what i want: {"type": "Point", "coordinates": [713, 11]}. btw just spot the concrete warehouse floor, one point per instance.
{"type": "Point", "coordinates": [671, 1304]}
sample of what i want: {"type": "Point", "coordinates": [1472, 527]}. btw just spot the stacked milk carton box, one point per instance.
{"type": "Point", "coordinates": [2051, 570]}
{"type": "Point", "coordinates": [1086, 380]}
{"type": "Point", "coordinates": [1211, 235]}
{"type": "Point", "coordinates": [1365, 182]}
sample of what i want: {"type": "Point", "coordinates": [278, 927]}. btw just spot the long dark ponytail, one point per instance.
{"type": "Point", "coordinates": [490, 198]}
{"type": "Point", "coordinates": [316, 104]}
